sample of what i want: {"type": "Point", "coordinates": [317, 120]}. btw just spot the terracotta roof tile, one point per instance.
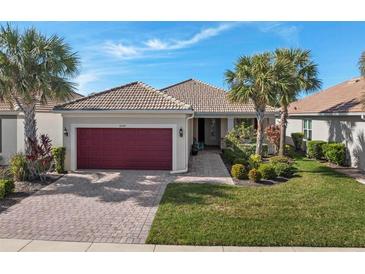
{"type": "Point", "coordinates": [132, 96]}
{"type": "Point", "coordinates": [4, 106]}
{"type": "Point", "coordinates": [206, 98]}
{"type": "Point", "coordinates": [344, 97]}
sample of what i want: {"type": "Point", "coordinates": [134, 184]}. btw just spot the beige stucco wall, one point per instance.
{"type": "Point", "coordinates": [179, 120]}
{"type": "Point", "coordinates": [47, 123]}
{"type": "Point", "coordinates": [8, 137]}
{"type": "Point", "coordinates": [347, 129]}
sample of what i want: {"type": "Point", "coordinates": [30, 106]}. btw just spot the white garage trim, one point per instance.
{"type": "Point", "coordinates": [74, 137]}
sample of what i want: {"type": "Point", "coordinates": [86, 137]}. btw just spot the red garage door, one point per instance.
{"type": "Point", "coordinates": [124, 148]}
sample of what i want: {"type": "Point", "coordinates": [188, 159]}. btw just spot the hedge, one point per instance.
{"type": "Point", "coordinates": [267, 171]}
{"type": "Point", "coordinates": [315, 149]}
{"type": "Point", "coordinates": [335, 153]}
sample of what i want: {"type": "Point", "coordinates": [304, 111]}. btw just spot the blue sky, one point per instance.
{"type": "Point", "coordinates": [163, 53]}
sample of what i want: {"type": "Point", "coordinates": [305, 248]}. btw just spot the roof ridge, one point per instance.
{"type": "Point", "coordinates": [196, 80]}
{"type": "Point", "coordinates": [163, 94]}
{"type": "Point", "coordinates": [95, 94]}
{"type": "Point", "coordinates": [208, 84]}
{"type": "Point", "coordinates": [176, 84]}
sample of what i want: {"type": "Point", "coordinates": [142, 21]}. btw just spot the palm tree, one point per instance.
{"type": "Point", "coordinates": [362, 64]}
{"type": "Point", "coordinates": [252, 80]}
{"type": "Point", "coordinates": [299, 73]}
{"type": "Point", "coordinates": [33, 69]}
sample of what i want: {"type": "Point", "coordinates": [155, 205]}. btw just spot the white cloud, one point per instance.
{"type": "Point", "coordinates": [289, 33]}
{"type": "Point", "coordinates": [204, 34]}
{"type": "Point", "coordinates": [156, 44]}
{"type": "Point", "coordinates": [123, 51]}
{"type": "Point", "coordinates": [83, 79]}
{"type": "Point", "coordinates": [120, 50]}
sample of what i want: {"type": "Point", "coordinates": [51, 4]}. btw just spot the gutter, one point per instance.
{"type": "Point", "coordinates": [186, 147]}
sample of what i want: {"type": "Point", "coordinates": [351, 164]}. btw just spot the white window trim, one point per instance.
{"type": "Point", "coordinates": [311, 129]}
{"type": "Point", "coordinates": [74, 137]}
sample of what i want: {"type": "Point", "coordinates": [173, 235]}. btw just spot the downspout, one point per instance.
{"type": "Point", "coordinates": [186, 147]}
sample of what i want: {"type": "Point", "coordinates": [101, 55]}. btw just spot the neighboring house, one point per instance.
{"type": "Point", "coordinates": [334, 114]}
{"type": "Point", "coordinates": [12, 126]}
{"type": "Point", "coordinates": [135, 126]}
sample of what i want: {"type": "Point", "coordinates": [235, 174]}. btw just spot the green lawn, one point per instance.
{"type": "Point", "coordinates": [319, 207]}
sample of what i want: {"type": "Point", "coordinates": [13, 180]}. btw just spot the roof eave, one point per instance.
{"type": "Point", "coordinates": [231, 113]}
{"type": "Point", "coordinates": [181, 111]}
{"type": "Point", "coordinates": [350, 113]}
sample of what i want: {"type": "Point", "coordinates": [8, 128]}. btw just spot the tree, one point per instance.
{"type": "Point", "coordinates": [298, 73]}
{"type": "Point", "coordinates": [362, 64]}
{"type": "Point", "coordinates": [253, 80]}
{"type": "Point", "coordinates": [33, 69]}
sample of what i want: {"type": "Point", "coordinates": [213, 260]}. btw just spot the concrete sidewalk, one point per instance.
{"type": "Point", "coordinates": [18, 245]}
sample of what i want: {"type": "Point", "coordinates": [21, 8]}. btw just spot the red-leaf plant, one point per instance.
{"type": "Point", "coordinates": [273, 135]}
{"type": "Point", "coordinates": [40, 158]}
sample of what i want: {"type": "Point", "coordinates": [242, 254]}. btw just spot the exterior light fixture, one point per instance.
{"type": "Point", "coordinates": [181, 132]}
{"type": "Point", "coordinates": [65, 132]}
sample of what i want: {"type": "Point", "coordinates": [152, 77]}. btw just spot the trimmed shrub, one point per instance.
{"type": "Point", "coordinates": [279, 159]}
{"type": "Point", "coordinates": [335, 153]}
{"type": "Point", "coordinates": [297, 138]}
{"type": "Point", "coordinates": [238, 171]}
{"type": "Point", "coordinates": [289, 151]}
{"type": "Point", "coordinates": [240, 161]}
{"type": "Point", "coordinates": [284, 170]}
{"type": "Point", "coordinates": [254, 175]}
{"type": "Point", "coordinates": [254, 161]}
{"type": "Point", "coordinates": [18, 167]}
{"type": "Point", "coordinates": [267, 171]}
{"type": "Point", "coordinates": [247, 149]}
{"type": "Point", "coordinates": [315, 149]}
{"type": "Point", "coordinates": [58, 154]}
{"type": "Point", "coordinates": [228, 155]}
{"type": "Point", "coordinates": [6, 187]}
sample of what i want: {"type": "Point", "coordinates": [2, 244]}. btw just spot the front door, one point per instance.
{"type": "Point", "coordinates": [212, 132]}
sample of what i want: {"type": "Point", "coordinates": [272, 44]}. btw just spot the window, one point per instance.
{"type": "Point", "coordinates": [307, 129]}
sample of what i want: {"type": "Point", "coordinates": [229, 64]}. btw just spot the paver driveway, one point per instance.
{"type": "Point", "coordinates": [95, 207]}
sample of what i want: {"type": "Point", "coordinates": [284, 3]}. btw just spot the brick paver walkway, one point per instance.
{"type": "Point", "coordinates": [206, 167]}
{"type": "Point", "coordinates": [116, 207]}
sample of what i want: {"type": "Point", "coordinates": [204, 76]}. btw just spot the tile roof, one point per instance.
{"type": "Point", "coordinates": [206, 98]}
{"type": "Point", "coordinates": [4, 106]}
{"type": "Point", "coordinates": [344, 97]}
{"type": "Point", "coordinates": [132, 96]}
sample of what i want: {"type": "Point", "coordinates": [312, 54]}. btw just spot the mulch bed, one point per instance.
{"type": "Point", "coordinates": [26, 189]}
{"type": "Point", "coordinates": [263, 182]}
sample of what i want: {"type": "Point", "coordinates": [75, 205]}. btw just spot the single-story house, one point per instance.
{"type": "Point", "coordinates": [12, 126]}
{"type": "Point", "coordinates": [136, 126]}
{"type": "Point", "coordinates": [334, 114]}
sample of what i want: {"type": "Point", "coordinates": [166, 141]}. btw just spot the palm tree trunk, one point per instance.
{"type": "Point", "coordinates": [30, 126]}
{"type": "Point", "coordinates": [283, 125]}
{"type": "Point", "coordinates": [260, 130]}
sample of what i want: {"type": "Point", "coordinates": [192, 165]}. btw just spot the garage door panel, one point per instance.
{"type": "Point", "coordinates": [115, 148]}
